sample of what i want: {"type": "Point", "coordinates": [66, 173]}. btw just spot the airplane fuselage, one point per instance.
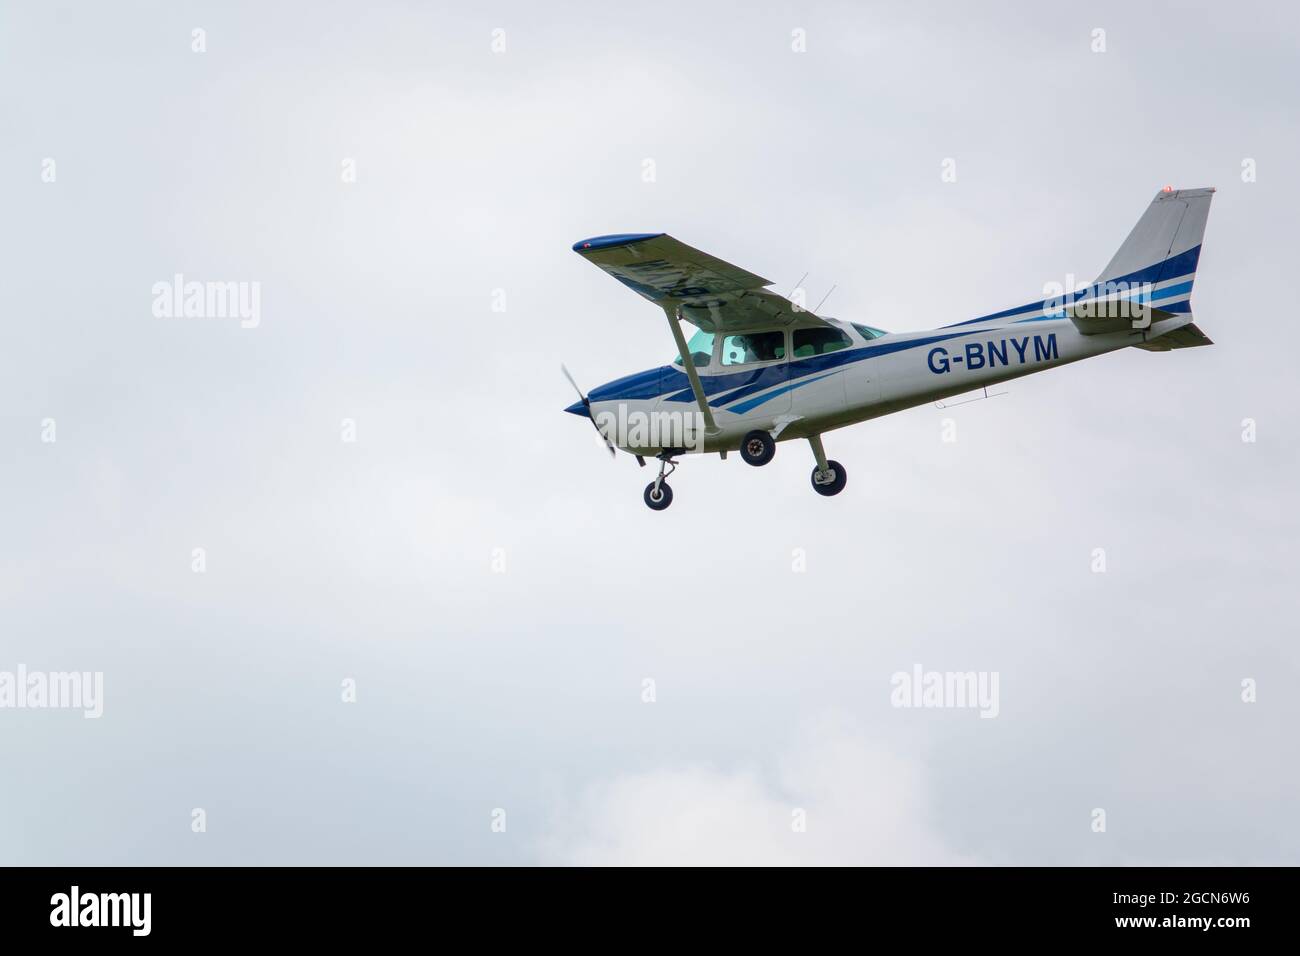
{"type": "Point", "coordinates": [656, 410]}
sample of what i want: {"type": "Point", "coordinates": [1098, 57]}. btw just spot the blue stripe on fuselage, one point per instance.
{"type": "Point", "coordinates": [674, 386]}
{"type": "Point", "coordinates": [1157, 299]}
{"type": "Point", "coordinates": [755, 402]}
{"type": "Point", "coordinates": [1182, 264]}
{"type": "Point", "coordinates": [817, 363]}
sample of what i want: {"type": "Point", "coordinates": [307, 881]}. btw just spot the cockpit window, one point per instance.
{"type": "Point", "coordinates": [809, 342]}
{"type": "Point", "coordinates": [753, 347]}
{"type": "Point", "coordinates": [701, 348]}
{"type": "Point", "coordinates": [867, 332]}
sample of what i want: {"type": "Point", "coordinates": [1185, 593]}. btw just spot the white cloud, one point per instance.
{"type": "Point", "coordinates": [864, 805]}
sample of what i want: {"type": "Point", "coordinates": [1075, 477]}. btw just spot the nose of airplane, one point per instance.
{"type": "Point", "coordinates": [577, 408]}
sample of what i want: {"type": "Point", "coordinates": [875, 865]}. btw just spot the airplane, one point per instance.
{"type": "Point", "coordinates": [759, 369]}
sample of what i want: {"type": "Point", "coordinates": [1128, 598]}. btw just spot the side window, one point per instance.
{"type": "Point", "coordinates": [867, 332]}
{"type": "Point", "coordinates": [753, 347]}
{"type": "Point", "coordinates": [809, 342]}
{"type": "Point", "coordinates": [701, 348]}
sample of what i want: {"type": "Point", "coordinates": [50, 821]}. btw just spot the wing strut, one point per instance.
{"type": "Point", "coordinates": [688, 363]}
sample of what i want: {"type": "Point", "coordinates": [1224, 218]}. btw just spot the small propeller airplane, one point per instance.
{"type": "Point", "coordinates": [759, 369]}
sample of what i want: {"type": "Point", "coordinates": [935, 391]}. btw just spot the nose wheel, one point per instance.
{"type": "Point", "coordinates": [658, 495]}
{"type": "Point", "coordinates": [657, 499]}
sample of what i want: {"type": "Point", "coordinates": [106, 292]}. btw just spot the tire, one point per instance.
{"type": "Point", "coordinates": [757, 448]}
{"type": "Point", "coordinates": [663, 501]}
{"type": "Point", "coordinates": [835, 485]}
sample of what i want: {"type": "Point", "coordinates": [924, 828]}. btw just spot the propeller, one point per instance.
{"type": "Point", "coordinates": [586, 403]}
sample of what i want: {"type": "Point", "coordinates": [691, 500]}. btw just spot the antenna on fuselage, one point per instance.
{"type": "Point", "coordinates": [817, 311]}
{"type": "Point", "coordinates": [797, 290]}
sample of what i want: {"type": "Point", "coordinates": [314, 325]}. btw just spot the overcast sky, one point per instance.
{"type": "Point", "coordinates": [388, 173]}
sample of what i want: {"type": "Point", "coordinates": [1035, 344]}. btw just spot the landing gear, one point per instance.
{"type": "Point", "coordinates": [658, 495]}
{"type": "Point", "coordinates": [829, 477]}
{"type": "Point", "coordinates": [757, 448]}
{"type": "Point", "coordinates": [831, 481]}
{"type": "Point", "coordinates": [658, 498]}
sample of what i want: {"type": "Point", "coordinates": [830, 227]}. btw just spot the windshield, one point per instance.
{"type": "Point", "coordinates": [867, 332]}
{"type": "Point", "coordinates": [701, 348]}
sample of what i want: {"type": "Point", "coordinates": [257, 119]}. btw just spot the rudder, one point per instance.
{"type": "Point", "coordinates": [1164, 247]}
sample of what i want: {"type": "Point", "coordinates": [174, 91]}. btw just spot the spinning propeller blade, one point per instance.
{"type": "Point", "coordinates": [565, 370]}
{"type": "Point", "coordinates": [586, 403]}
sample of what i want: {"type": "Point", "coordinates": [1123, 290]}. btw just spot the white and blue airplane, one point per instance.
{"type": "Point", "coordinates": [759, 369]}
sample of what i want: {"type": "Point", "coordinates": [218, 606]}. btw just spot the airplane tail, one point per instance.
{"type": "Point", "coordinates": [1156, 265]}
{"type": "Point", "coordinates": [1164, 247]}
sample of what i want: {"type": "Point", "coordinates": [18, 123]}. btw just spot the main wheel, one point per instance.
{"type": "Point", "coordinates": [831, 481]}
{"type": "Point", "coordinates": [757, 448]}
{"type": "Point", "coordinates": [658, 500]}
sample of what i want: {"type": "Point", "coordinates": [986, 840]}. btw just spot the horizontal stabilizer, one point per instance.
{"type": "Point", "coordinates": [1186, 337]}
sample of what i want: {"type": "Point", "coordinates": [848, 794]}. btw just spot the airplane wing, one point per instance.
{"type": "Point", "coordinates": [705, 291]}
